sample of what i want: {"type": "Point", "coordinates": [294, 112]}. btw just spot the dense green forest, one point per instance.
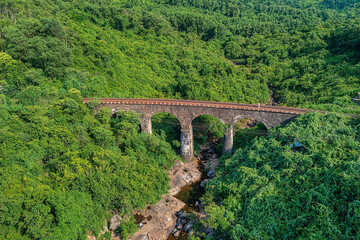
{"type": "Point", "coordinates": [65, 167]}
{"type": "Point", "coordinates": [62, 168]}
{"type": "Point", "coordinates": [271, 190]}
{"type": "Point", "coordinates": [303, 53]}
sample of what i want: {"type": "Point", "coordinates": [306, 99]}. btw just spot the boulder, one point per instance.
{"type": "Point", "coordinates": [115, 222]}
{"type": "Point", "coordinates": [163, 219]}
{"type": "Point", "coordinates": [180, 226]}
{"type": "Point", "coordinates": [144, 237]}
{"type": "Point", "coordinates": [183, 221]}
{"type": "Point", "coordinates": [158, 234]}
{"type": "Point", "coordinates": [211, 174]}
{"type": "Point", "coordinates": [181, 175]}
{"type": "Point", "coordinates": [184, 215]}
{"type": "Point", "coordinates": [203, 183]}
{"type": "Point", "coordinates": [188, 226]}
{"type": "Point", "coordinates": [208, 230]}
{"type": "Point", "coordinates": [177, 234]}
{"type": "Point", "coordinates": [179, 213]}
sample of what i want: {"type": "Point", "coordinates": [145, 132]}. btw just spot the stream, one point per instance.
{"type": "Point", "coordinates": [173, 216]}
{"type": "Point", "coordinates": [191, 194]}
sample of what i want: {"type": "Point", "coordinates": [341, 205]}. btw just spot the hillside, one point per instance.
{"type": "Point", "coordinates": [273, 190]}
{"type": "Point", "coordinates": [64, 167]}
{"type": "Point", "coordinates": [208, 50]}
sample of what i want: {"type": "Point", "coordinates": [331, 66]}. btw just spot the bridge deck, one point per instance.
{"type": "Point", "coordinates": [226, 105]}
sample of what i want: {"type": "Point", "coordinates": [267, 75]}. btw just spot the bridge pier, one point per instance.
{"type": "Point", "coordinates": [187, 145]}
{"type": "Point", "coordinates": [145, 122]}
{"type": "Point", "coordinates": [228, 139]}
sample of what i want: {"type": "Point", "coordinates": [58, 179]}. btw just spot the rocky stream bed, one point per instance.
{"type": "Point", "coordinates": [171, 219]}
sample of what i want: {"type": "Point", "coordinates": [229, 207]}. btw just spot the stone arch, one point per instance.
{"type": "Point", "coordinates": [118, 109]}
{"type": "Point", "coordinates": [243, 136]}
{"type": "Point", "coordinates": [202, 132]}
{"type": "Point", "coordinates": [147, 114]}
{"type": "Point", "coordinates": [168, 112]}
{"type": "Point", "coordinates": [172, 125]}
{"type": "Point", "coordinates": [209, 114]}
{"type": "Point", "coordinates": [267, 123]}
{"type": "Point", "coordinates": [115, 114]}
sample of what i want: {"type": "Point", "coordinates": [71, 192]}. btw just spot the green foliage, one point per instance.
{"type": "Point", "coordinates": [168, 126]}
{"type": "Point", "coordinates": [270, 190]}
{"type": "Point", "coordinates": [207, 50]}
{"type": "Point", "coordinates": [244, 136]}
{"type": "Point", "coordinates": [39, 44]}
{"type": "Point", "coordinates": [63, 169]}
{"type": "Point", "coordinates": [127, 228]}
{"type": "Point", "coordinates": [205, 128]}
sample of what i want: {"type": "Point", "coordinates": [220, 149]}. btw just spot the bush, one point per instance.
{"type": "Point", "coordinates": [273, 190]}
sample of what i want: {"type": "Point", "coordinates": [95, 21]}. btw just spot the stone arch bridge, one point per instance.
{"type": "Point", "coordinates": [187, 110]}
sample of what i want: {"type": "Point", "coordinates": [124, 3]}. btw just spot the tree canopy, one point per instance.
{"type": "Point", "coordinates": [65, 166]}
{"type": "Point", "coordinates": [272, 189]}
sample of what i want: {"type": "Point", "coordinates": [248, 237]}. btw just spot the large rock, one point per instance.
{"type": "Point", "coordinates": [160, 219]}
{"type": "Point", "coordinates": [211, 174]}
{"type": "Point", "coordinates": [183, 174]}
{"type": "Point", "coordinates": [115, 222]}
{"type": "Point", "coordinates": [184, 215]}
{"type": "Point", "coordinates": [188, 226]}
{"type": "Point", "coordinates": [158, 234]}
{"type": "Point", "coordinates": [203, 183]}
{"type": "Point", "coordinates": [183, 221]}
{"type": "Point", "coordinates": [180, 226]}
{"type": "Point", "coordinates": [144, 237]}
